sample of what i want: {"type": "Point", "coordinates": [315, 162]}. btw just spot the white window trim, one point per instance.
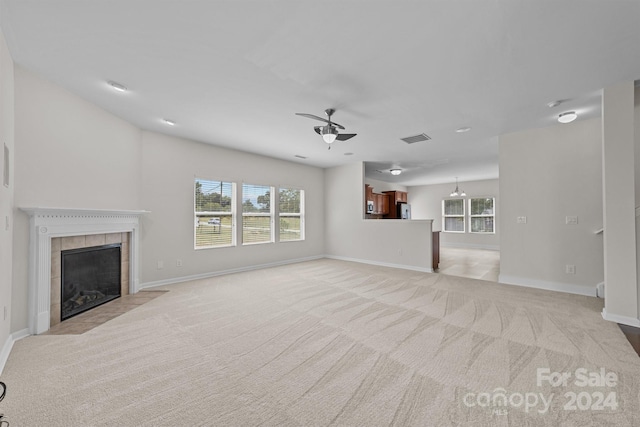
{"type": "Point", "coordinates": [493, 215]}
{"type": "Point", "coordinates": [463, 216]}
{"type": "Point", "coordinates": [270, 214]}
{"type": "Point", "coordinates": [216, 213]}
{"type": "Point", "coordinates": [300, 215]}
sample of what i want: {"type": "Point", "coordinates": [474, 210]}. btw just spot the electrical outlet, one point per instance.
{"type": "Point", "coordinates": [570, 269]}
{"type": "Point", "coordinates": [571, 220]}
{"type": "Point", "coordinates": [522, 220]}
{"type": "Point", "coordinates": [178, 263]}
{"type": "Point", "coordinates": [160, 265]}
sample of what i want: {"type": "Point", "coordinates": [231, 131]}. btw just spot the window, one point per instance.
{"type": "Point", "coordinates": [481, 215]}
{"type": "Point", "coordinates": [257, 214]}
{"type": "Point", "coordinates": [453, 215]}
{"type": "Point", "coordinates": [291, 214]}
{"type": "Point", "coordinates": [214, 214]}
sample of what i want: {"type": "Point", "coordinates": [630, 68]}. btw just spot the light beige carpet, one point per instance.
{"type": "Point", "coordinates": [332, 343]}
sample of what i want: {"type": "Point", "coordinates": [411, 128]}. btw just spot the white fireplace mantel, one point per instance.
{"type": "Point", "coordinates": [47, 223]}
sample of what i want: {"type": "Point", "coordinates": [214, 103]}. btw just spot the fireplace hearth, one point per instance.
{"type": "Point", "coordinates": [91, 276]}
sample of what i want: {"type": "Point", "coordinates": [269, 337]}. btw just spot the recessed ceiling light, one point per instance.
{"type": "Point", "coordinates": [395, 171]}
{"type": "Point", "coordinates": [567, 117]}
{"type": "Point", "coordinates": [463, 129]}
{"type": "Point", "coordinates": [554, 103]}
{"type": "Point", "coordinates": [117, 86]}
{"type": "Point", "coordinates": [169, 122]}
{"type": "Point", "coordinates": [299, 156]}
{"type": "Point", "coordinates": [348, 154]}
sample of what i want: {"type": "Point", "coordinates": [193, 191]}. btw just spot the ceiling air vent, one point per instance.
{"type": "Point", "coordinates": [416, 138]}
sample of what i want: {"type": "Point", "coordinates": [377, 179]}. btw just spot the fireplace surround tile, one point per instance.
{"type": "Point", "coordinates": [124, 283]}
{"type": "Point", "coordinates": [56, 244]}
{"type": "Point", "coordinates": [112, 238]}
{"type": "Point", "coordinates": [56, 285]}
{"type": "Point", "coordinates": [73, 242]}
{"type": "Point", "coordinates": [95, 240]}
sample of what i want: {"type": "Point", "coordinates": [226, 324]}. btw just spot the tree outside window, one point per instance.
{"type": "Point", "coordinates": [481, 215]}
{"type": "Point", "coordinates": [453, 215]}
{"type": "Point", "coordinates": [291, 206]}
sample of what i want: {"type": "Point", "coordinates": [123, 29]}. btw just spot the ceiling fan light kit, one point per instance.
{"type": "Point", "coordinates": [395, 171]}
{"type": "Point", "coordinates": [329, 132]}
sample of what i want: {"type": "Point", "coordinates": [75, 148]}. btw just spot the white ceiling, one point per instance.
{"type": "Point", "coordinates": [233, 73]}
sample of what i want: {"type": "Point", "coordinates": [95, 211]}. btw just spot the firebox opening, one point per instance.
{"type": "Point", "coordinates": [90, 277]}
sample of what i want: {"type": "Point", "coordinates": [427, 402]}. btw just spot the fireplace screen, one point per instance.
{"type": "Point", "coordinates": [90, 277]}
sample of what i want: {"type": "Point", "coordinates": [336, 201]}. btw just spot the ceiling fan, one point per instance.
{"type": "Point", "coordinates": [329, 132]}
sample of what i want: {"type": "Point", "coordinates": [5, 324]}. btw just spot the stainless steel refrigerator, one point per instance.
{"type": "Point", "coordinates": [404, 211]}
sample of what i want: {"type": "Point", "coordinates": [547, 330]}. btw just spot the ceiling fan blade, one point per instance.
{"type": "Point", "coordinates": [311, 116]}
{"type": "Point", "coordinates": [345, 136]}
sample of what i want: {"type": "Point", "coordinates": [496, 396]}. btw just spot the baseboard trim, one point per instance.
{"type": "Point", "coordinates": [8, 345]}
{"type": "Point", "coordinates": [381, 264]}
{"type": "Point", "coordinates": [625, 320]}
{"type": "Point", "coordinates": [183, 279]}
{"type": "Point", "coordinates": [600, 290]}
{"type": "Point", "coordinates": [569, 288]}
{"type": "Point", "coordinates": [468, 246]}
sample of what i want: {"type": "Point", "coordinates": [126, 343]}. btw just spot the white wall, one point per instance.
{"type": "Point", "coordinates": [6, 197]}
{"type": "Point", "coordinates": [618, 180]}
{"type": "Point", "coordinates": [169, 166]}
{"type": "Point", "coordinates": [546, 175]}
{"type": "Point", "coordinates": [636, 135]}
{"type": "Point", "coordinates": [391, 242]}
{"type": "Point", "coordinates": [426, 203]}
{"type": "Point", "coordinates": [70, 154]}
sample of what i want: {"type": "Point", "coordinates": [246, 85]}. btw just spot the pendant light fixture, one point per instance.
{"type": "Point", "coordinates": [457, 192]}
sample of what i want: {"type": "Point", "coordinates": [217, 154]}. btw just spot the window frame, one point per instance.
{"type": "Point", "coordinates": [300, 215]}
{"type": "Point", "coordinates": [270, 214]}
{"type": "Point", "coordinates": [232, 213]}
{"type": "Point", "coordinates": [493, 215]}
{"type": "Point", "coordinates": [445, 216]}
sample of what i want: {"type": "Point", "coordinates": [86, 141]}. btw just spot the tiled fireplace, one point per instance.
{"type": "Point", "coordinates": [54, 230]}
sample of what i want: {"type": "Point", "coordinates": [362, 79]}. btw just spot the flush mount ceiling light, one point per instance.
{"type": "Point", "coordinates": [567, 117]}
{"type": "Point", "coordinates": [117, 86]}
{"type": "Point", "coordinates": [169, 122]}
{"type": "Point", "coordinates": [457, 192]}
{"type": "Point", "coordinates": [395, 171]}
{"type": "Point", "coordinates": [463, 129]}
